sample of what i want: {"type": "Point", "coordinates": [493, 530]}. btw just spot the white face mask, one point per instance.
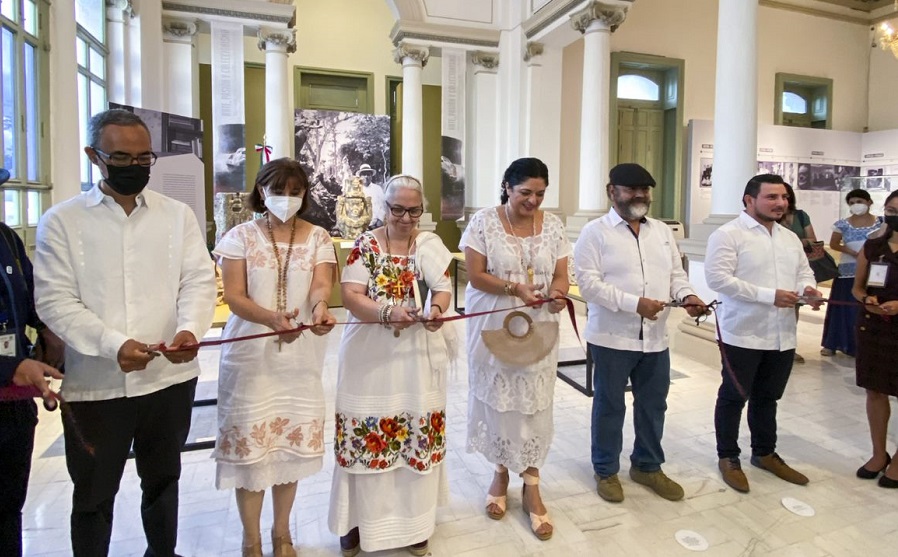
{"type": "Point", "coordinates": [858, 208]}
{"type": "Point", "coordinates": [283, 206]}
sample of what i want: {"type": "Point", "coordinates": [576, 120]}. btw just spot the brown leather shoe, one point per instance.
{"type": "Point", "coordinates": [733, 476]}
{"type": "Point", "coordinates": [778, 467]}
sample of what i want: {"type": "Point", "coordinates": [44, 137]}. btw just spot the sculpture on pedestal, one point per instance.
{"type": "Point", "coordinates": [353, 209]}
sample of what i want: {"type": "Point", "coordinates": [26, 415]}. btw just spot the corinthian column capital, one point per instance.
{"type": "Point", "coordinates": [178, 28]}
{"type": "Point", "coordinates": [610, 16]}
{"type": "Point", "coordinates": [285, 38]}
{"type": "Point", "coordinates": [486, 60]}
{"type": "Point", "coordinates": [415, 52]}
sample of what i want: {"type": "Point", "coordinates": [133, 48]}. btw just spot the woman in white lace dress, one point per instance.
{"type": "Point", "coordinates": [277, 271]}
{"type": "Point", "coordinates": [515, 254]}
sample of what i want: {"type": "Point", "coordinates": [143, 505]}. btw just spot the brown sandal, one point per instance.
{"type": "Point", "coordinates": [536, 520]}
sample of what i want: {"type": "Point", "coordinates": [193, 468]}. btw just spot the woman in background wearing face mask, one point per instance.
{"type": "Point", "coordinates": [278, 271]}
{"type": "Point", "coordinates": [849, 235]}
{"type": "Point", "coordinates": [876, 366]}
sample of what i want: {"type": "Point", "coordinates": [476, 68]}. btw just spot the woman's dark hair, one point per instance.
{"type": "Point", "coordinates": [859, 193]}
{"type": "Point", "coordinates": [790, 195]}
{"type": "Point", "coordinates": [276, 175]}
{"type": "Point", "coordinates": [520, 171]}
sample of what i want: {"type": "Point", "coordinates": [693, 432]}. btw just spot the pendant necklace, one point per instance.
{"type": "Point", "coordinates": [520, 243]}
{"type": "Point", "coordinates": [281, 306]}
{"type": "Point", "coordinates": [409, 266]}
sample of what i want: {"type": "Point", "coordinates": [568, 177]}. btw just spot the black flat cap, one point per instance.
{"type": "Point", "coordinates": [4, 176]}
{"type": "Point", "coordinates": [631, 175]}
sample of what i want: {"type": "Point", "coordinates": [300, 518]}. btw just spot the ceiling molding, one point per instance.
{"type": "Point", "coordinates": [835, 10]}
{"type": "Point", "coordinates": [249, 11]}
{"type": "Point", "coordinates": [429, 33]}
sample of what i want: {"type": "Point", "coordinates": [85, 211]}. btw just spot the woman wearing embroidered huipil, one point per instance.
{"type": "Point", "coordinates": [277, 271]}
{"type": "Point", "coordinates": [390, 434]}
{"type": "Point", "coordinates": [849, 235]}
{"type": "Point", "coordinates": [514, 254]}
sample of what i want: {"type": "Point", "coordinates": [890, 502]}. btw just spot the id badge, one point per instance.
{"type": "Point", "coordinates": [879, 272]}
{"type": "Point", "coordinates": [8, 345]}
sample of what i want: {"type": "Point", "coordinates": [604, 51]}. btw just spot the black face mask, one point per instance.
{"type": "Point", "coordinates": [891, 221]}
{"type": "Point", "coordinates": [128, 180]}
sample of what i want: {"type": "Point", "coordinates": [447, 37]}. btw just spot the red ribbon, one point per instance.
{"type": "Point", "coordinates": [264, 151]}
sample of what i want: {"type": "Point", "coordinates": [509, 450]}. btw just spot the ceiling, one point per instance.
{"type": "Point", "coordinates": [863, 5]}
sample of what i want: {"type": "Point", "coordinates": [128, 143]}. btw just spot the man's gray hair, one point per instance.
{"type": "Point", "coordinates": [112, 117]}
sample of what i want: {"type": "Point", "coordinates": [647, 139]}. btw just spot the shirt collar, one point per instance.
{"type": "Point", "coordinates": [616, 219]}
{"type": "Point", "coordinates": [749, 221]}
{"type": "Point", "coordinates": [95, 196]}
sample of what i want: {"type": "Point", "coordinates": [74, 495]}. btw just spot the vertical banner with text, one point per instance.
{"type": "Point", "coordinates": [452, 163]}
{"type": "Point", "coordinates": [228, 117]}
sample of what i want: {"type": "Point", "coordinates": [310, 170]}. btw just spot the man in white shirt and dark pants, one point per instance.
{"type": "Point", "coordinates": [757, 267]}
{"type": "Point", "coordinates": [628, 268]}
{"type": "Point", "coordinates": [116, 270]}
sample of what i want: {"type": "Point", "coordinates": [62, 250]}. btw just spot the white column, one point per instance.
{"type": "Point", "coordinates": [596, 22]}
{"type": "Point", "coordinates": [511, 85]}
{"type": "Point", "coordinates": [277, 43]}
{"type": "Point", "coordinates": [482, 152]}
{"type": "Point", "coordinates": [65, 139]}
{"type": "Point", "coordinates": [735, 104]}
{"type": "Point", "coordinates": [412, 58]}
{"type": "Point", "coordinates": [542, 115]}
{"type": "Point", "coordinates": [179, 61]}
{"type": "Point", "coordinates": [118, 12]}
{"type": "Point", "coordinates": [151, 75]}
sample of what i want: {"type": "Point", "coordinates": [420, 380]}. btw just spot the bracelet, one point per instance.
{"type": "Point", "coordinates": [319, 302]}
{"type": "Point", "coordinates": [387, 314]}
{"type": "Point", "coordinates": [437, 305]}
{"type": "Point", "coordinates": [510, 288]}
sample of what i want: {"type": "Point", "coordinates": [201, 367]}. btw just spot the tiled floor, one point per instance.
{"type": "Point", "coordinates": [822, 430]}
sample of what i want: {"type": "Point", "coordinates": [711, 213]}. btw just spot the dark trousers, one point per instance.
{"type": "Point", "coordinates": [762, 376]}
{"type": "Point", "coordinates": [157, 424]}
{"type": "Point", "coordinates": [17, 421]}
{"type": "Point", "coordinates": [649, 374]}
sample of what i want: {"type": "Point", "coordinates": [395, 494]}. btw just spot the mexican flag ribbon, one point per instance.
{"type": "Point", "coordinates": [264, 151]}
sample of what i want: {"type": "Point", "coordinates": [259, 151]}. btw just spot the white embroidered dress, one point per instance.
{"type": "Point", "coordinates": [270, 399]}
{"type": "Point", "coordinates": [510, 408]}
{"type": "Point", "coordinates": [390, 427]}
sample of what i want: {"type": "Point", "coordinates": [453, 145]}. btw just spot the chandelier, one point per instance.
{"type": "Point", "coordinates": [888, 37]}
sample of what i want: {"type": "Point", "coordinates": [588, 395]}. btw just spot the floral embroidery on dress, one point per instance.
{"type": "Point", "coordinates": [378, 443]}
{"type": "Point", "coordinates": [267, 435]}
{"type": "Point", "coordinates": [391, 276]}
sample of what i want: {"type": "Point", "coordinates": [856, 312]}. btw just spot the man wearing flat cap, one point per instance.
{"type": "Point", "coordinates": [628, 268]}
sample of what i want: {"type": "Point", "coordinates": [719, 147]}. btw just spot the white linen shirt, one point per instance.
{"type": "Point", "coordinates": [745, 264]}
{"type": "Point", "coordinates": [614, 269]}
{"type": "Point", "coordinates": [102, 277]}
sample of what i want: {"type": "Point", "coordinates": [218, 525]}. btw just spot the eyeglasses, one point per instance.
{"type": "Point", "coordinates": [125, 159]}
{"type": "Point", "coordinates": [413, 212]}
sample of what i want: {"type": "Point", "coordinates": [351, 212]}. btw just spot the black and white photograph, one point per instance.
{"type": "Point", "coordinates": [707, 166]}
{"type": "Point", "coordinates": [452, 179]}
{"type": "Point", "coordinates": [823, 178]}
{"type": "Point", "coordinates": [230, 160]}
{"type": "Point", "coordinates": [170, 134]}
{"type": "Point", "coordinates": [875, 181]}
{"type": "Point", "coordinates": [332, 146]}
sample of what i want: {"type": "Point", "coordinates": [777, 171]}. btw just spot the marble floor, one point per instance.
{"type": "Point", "coordinates": [822, 429]}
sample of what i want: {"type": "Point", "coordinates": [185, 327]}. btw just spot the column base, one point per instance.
{"type": "Point", "coordinates": [427, 223]}
{"type": "Point", "coordinates": [699, 341]}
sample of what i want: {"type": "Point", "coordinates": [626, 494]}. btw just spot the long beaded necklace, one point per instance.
{"type": "Point", "coordinates": [409, 266]}
{"type": "Point", "coordinates": [520, 243]}
{"type": "Point", "coordinates": [281, 269]}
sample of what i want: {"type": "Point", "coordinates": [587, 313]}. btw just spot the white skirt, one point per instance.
{"type": "Point", "coordinates": [391, 509]}
{"type": "Point", "coordinates": [513, 439]}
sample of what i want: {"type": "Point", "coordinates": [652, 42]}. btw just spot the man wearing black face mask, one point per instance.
{"type": "Point", "coordinates": [117, 270]}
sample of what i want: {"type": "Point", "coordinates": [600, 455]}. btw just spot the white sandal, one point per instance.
{"type": "Point", "coordinates": [499, 501]}
{"type": "Point", "coordinates": [536, 520]}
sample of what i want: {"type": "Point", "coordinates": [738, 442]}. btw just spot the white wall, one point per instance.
{"type": "Point", "coordinates": [687, 29]}
{"type": "Point", "coordinates": [883, 113]}
{"type": "Point", "coordinates": [343, 35]}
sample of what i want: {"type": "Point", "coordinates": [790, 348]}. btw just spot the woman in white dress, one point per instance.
{"type": "Point", "coordinates": [515, 254]}
{"type": "Point", "coordinates": [277, 271]}
{"type": "Point", "coordinates": [390, 438]}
